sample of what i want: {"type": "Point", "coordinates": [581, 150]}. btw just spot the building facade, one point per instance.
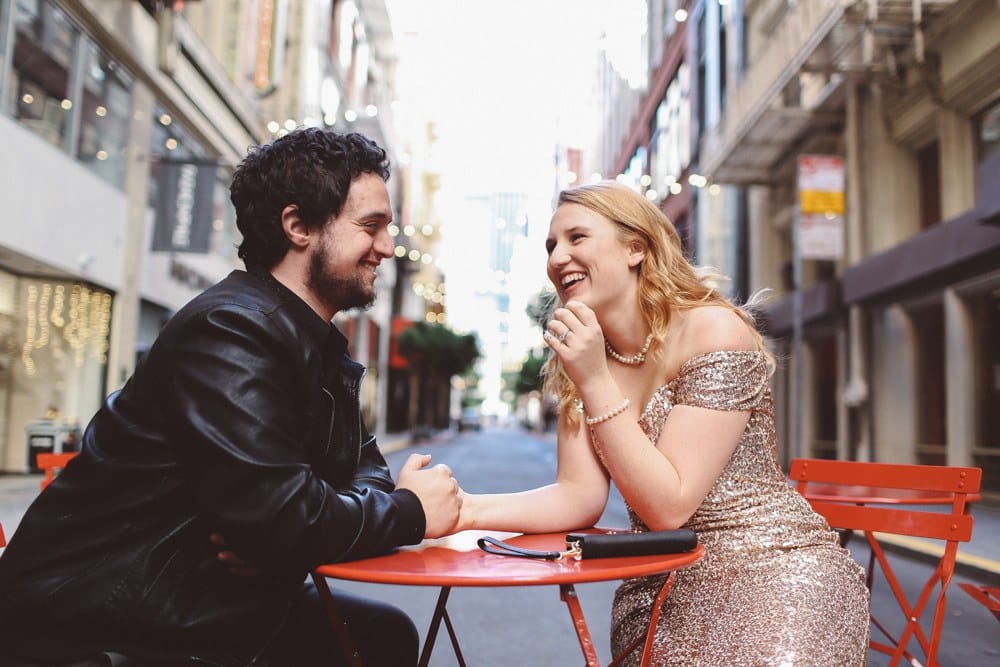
{"type": "Point", "coordinates": [122, 121]}
{"type": "Point", "coordinates": [888, 332]}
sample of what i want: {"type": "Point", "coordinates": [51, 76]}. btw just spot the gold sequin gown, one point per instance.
{"type": "Point", "coordinates": [775, 587]}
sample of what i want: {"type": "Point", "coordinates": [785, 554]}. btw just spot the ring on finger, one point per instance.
{"type": "Point", "coordinates": [562, 337]}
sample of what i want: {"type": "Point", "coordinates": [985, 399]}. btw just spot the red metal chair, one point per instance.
{"type": "Point", "coordinates": [988, 596]}
{"type": "Point", "coordinates": [50, 463]}
{"type": "Point", "coordinates": [862, 508]}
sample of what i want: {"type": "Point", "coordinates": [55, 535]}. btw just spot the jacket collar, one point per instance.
{"type": "Point", "coordinates": [325, 334]}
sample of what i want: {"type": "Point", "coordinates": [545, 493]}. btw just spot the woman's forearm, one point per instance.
{"type": "Point", "coordinates": [544, 509]}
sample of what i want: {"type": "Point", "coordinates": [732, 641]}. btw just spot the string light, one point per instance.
{"type": "Point", "coordinates": [84, 323]}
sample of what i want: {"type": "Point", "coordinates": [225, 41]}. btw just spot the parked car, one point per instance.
{"type": "Point", "coordinates": [471, 419]}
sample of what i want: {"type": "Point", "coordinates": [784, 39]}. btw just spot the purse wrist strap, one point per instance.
{"type": "Point", "coordinates": [494, 546]}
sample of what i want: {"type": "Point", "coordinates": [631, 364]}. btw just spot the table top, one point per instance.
{"type": "Point", "coordinates": [876, 495]}
{"type": "Point", "coordinates": [457, 560]}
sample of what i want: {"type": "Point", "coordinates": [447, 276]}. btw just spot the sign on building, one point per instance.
{"type": "Point", "coordinates": [821, 207]}
{"type": "Point", "coordinates": [185, 192]}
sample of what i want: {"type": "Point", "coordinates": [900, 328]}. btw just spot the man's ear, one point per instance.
{"type": "Point", "coordinates": [295, 229]}
{"type": "Point", "coordinates": [636, 254]}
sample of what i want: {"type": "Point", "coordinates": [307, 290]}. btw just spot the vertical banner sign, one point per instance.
{"type": "Point", "coordinates": [821, 204]}
{"type": "Point", "coordinates": [184, 206]}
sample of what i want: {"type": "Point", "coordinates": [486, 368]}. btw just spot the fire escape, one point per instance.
{"type": "Point", "coordinates": [793, 85]}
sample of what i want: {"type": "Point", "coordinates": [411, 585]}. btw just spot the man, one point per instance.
{"type": "Point", "coordinates": [241, 428]}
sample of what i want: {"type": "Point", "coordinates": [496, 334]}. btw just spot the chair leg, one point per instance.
{"type": "Point", "coordinates": [654, 619]}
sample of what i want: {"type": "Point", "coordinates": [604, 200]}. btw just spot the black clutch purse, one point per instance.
{"type": "Point", "coordinates": [603, 545]}
{"type": "Point", "coordinates": [608, 545]}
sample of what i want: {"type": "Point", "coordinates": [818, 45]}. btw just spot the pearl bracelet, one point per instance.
{"type": "Point", "coordinates": [591, 421]}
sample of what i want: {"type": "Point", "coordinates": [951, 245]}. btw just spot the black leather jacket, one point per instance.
{"type": "Point", "coordinates": [243, 419]}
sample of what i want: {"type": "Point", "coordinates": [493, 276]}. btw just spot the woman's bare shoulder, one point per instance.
{"type": "Point", "coordinates": [716, 328]}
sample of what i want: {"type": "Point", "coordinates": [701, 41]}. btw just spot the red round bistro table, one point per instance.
{"type": "Point", "coordinates": [457, 560]}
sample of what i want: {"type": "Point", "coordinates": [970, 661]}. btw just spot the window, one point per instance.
{"type": "Point", "coordinates": [44, 45]}
{"type": "Point", "coordinates": [928, 325]}
{"type": "Point", "coordinates": [172, 141]}
{"type": "Point", "coordinates": [67, 90]}
{"type": "Point", "coordinates": [825, 360]}
{"type": "Point", "coordinates": [104, 116]}
{"type": "Point", "coordinates": [988, 132]}
{"type": "Point", "coordinates": [929, 185]}
{"type": "Point", "coordinates": [986, 450]}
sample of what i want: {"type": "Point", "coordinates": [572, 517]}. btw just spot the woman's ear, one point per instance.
{"type": "Point", "coordinates": [295, 229]}
{"type": "Point", "coordinates": [636, 254]}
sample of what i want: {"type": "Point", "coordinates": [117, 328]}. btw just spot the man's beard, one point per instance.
{"type": "Point", "coordinates": [346, 293]}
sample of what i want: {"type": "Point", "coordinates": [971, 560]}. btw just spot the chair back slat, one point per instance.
{"type": "Point", "coordinates": [929, 525]}
{"type": "Point", "coordinates": [888, 475]}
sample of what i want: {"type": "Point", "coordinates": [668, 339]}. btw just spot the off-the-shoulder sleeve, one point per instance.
{"type": "Point", "coordinates": [724, 380]}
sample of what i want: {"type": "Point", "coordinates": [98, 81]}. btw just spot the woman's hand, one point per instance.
{"type": "Point", "coordinates": [574, 334]}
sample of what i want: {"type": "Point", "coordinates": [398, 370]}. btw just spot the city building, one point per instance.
{"type": "Point", "coordinates": [122, 121]}
{"type": "Point", "coordinates": [111, 111]}
{"type": "Point", "coordinates": [855, 146]}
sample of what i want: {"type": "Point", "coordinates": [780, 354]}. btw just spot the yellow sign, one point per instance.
{"type": "Point", "coordinates": [821, 184]}
{"type": "Point", "coordinates": [819, 201]}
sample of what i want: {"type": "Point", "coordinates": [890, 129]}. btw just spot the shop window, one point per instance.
{"type": "Point", "coordinates": [928, 324]}
{"type": "Point", "coordinates": [57, 371]}
{"type": "Point", "coordinates": [8, 350]}
{"type": "Point", "coordinates": [44, 44]}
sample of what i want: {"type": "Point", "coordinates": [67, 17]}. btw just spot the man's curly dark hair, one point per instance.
{"type": "Point", "coordinates": [310, 167]}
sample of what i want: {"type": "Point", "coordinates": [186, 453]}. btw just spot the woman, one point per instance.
{"type": "Point", "coordinates": [664, 388]}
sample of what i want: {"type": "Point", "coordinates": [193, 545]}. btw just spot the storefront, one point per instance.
{"type": "Point", "coordinates": [53, 354]}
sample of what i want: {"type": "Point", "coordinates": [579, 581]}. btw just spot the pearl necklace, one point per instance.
{"type": "Point", "coordinates": [634, 360]}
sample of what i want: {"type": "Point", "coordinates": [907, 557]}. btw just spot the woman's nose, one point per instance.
{"type": "Point", "coordinates": [558, 257]}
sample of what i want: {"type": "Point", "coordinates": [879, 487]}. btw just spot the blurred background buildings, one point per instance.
{"type": "Point", "coordinates": [841, 154]}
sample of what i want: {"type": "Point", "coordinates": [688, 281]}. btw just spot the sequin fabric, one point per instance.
{"type": "Point", "coordinates": [775, 587]}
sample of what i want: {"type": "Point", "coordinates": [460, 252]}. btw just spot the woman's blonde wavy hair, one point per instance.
{"type": "Point", "coordinates": [667, 280]}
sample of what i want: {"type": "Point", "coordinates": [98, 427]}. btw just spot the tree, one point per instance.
{"type": "Point", "coordinates": [540, 308]}
{"type": "Point", "coordinates": [529, 378]}
{"type": "Point", "coordinates": [436, 353]}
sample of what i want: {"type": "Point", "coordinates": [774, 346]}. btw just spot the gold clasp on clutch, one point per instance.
{"type": "Point", "coordinates": [572, 549]}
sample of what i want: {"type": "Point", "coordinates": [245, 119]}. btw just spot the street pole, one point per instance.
{"type": "Point", "coordinates": [798, 367]}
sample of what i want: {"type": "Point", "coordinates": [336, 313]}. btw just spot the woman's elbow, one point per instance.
{"type": "Point", "coordinates": [669, 519]}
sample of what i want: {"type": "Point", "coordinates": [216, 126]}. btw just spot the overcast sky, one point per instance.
{"type": "Point", "coordinates": [505, 82]}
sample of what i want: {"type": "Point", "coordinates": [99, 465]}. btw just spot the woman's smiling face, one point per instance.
{"type": "Point", "coordinates": [587, 259]}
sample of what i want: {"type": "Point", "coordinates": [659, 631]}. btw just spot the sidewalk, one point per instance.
{"type": "Point", "coordinates": [978, 560]}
